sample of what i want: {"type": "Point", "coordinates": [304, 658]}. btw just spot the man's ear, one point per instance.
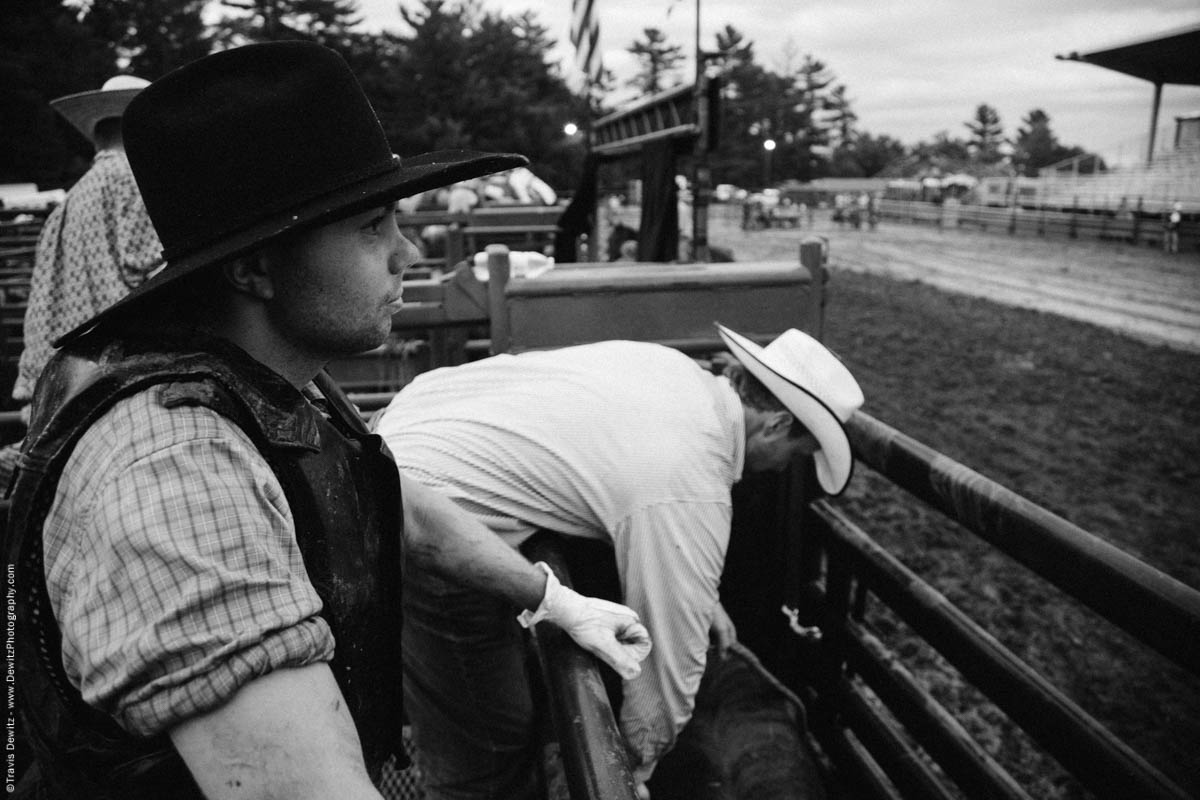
{"type": "Point", "coordinates": [249, 274]}
{"type": "Point", "coordinates": [777, 424]}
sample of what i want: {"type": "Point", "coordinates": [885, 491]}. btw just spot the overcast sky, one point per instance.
{"type": "Point", "coordinates": [915, 68]}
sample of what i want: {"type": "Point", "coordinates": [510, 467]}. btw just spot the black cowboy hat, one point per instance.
{"type": "Point", "coordinates": [243, 146]}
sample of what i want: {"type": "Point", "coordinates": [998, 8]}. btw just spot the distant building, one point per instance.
{"type": "Point", "coordinates": [1187, 132]}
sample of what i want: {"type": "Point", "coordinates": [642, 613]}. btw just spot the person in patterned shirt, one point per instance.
{"type": "Point", "coordinates": [95, 247]}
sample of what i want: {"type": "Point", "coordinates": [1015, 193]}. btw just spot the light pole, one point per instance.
{"type": "Point", "coordinates": [768, 148]}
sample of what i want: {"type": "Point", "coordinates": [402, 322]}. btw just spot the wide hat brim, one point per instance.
{"type": "Point", "coordinates": [834, 459]}
{"type": "Point", "coordinates": [404, 178]}
{"type": "Point", "coordinates": [84, 109]}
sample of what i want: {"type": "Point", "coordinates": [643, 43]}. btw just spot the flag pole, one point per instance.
{"type": "Point", "coordinates": [702, 178]}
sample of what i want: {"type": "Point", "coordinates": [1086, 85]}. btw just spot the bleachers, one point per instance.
{"type": "Point", "coordinates": [1173, 175]}
{"type": "Point", "coordinates": [18, 241]}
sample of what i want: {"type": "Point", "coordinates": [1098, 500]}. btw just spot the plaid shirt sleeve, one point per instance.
{"type": "Point", "coordinates": [173, 567]}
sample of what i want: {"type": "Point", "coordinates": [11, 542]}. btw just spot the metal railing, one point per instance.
{"type": "Point", "coordinates": [884, 749]}
{"type": "Point", "coordinates": [595, 760]}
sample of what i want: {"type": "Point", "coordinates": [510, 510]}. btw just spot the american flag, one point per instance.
{"type": "Point", "coordinates": [585, 35]}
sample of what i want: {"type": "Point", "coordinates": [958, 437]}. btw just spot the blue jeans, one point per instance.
{"type": "Point", "coordinates": [466, 692]}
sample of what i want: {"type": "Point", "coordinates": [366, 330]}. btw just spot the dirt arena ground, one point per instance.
{"type": "Point", "coordinates": [976, 345]}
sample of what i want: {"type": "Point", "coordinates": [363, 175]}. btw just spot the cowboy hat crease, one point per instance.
{"type": "Point", "coordinates": [814, 386]}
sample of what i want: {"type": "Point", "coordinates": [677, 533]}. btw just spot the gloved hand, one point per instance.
{"type": "Point", "coordinates": [722, 632]}
{"type": "Point", "coordinates": [607, 630]}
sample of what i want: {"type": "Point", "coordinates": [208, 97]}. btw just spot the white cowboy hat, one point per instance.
{"type": "Point", "coordinates": [85, 109]}
{"type": "Point", "coordinates": [814, 386]}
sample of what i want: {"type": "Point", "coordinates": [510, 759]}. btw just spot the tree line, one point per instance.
{"type": "Point", "coordinates": [808, 116]}
{"type": "Point", "coordinates": [461, 76]}
{"type": "Point", "coordinates": [458, 77]}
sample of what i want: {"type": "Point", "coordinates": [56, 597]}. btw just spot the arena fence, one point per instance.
{"type": "Point", "coordinates": [1081, 223]}
{"type": "Point", "coordinates": [881, 729]}
{"type": "Point", "coordinates": [873, 717]}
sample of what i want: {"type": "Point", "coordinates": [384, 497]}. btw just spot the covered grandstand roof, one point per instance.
{"type": "Point", "coordinates": [1168, 58]}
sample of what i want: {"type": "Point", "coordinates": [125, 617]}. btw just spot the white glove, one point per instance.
{"type": "Point", "coordinates": [610, 631]}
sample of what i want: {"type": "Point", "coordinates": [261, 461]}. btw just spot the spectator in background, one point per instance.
{"type": "Point", "coordinates": [683, 201]}
{"type": "Point", "coordinates": [462, 197]}
{"type": "Point", "coordinates": [99, 244]}
{"type": "Point", "coordinates": [1173, 221]}
{"type": "Point", "coordinates": [95, 247]}
{"type": "Point", "coordinates": [529, 188]}
{"type": "Point", "coordinates": [495, 191]}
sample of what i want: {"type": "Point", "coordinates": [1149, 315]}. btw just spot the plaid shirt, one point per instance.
{"type": "Point", "coordinates": [93, 249]}
{"type": "Point", "coordinates": [172, 566]}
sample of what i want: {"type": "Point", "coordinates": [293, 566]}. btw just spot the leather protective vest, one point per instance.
{"type": "Point", "coordinates": [342, 486]}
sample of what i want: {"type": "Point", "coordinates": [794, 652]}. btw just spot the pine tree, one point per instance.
{"type": "Point", "coordinates": [806, 129]}
{"type": "Point", "coordinates": [46, 51]}
{"type": "Point", "coordinates": [152, 37]}
{"type": "Point", "coordinates": [987, 134]}
{"type": "Point", "coordinates": [465, 78]}
{"type": "Point", "coordinates": [744, 99]}
{"type": "Point", "coordinates": [1036, 147]}
{"type": "Point", "coordinates": [328, 22]}
{"type": "Point", "coordinates": [842, 117]}
{"type": "Point", "coordinates": [658, 61]}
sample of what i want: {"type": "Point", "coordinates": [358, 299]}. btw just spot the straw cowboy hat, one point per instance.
{"type": "Point", "coordinates": [85, 109]}
{"type": "Point", "coordinates": [814, 386]}
{"type": "Point", "coordinates": [248, 145]}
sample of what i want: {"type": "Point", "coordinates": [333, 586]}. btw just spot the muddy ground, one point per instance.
{"type": "Point", "coordinates": [1100, 427]}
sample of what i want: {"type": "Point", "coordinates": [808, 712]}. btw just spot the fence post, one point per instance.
{"type": "Point", "coordinates": [594, 759]}
{"type": "Point", "coordinates": [455, 244]}
{"type": "Point", "coordinates": [813, 255]}
{"type": "Point", "coordinates": [1072, 230]}
{"type": "Point", "coordinates": [1137, 221]}
{"type": "Point", "coordinates": [498, 274]}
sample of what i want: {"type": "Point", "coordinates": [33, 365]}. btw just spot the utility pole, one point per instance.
{"type": "Point", "coordinates": [702, 179]}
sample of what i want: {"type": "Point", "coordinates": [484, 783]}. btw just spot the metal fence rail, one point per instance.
{"type": "Point", "coordinates": [878, 720]}
{"type": "Point", "coordinates": [1148, 604]}
{"type": "Point", "coordinates": [1074, 220]}
{"type": "Point", "coordinates": [593, 751]}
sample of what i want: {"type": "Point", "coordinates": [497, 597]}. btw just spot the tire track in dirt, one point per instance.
{"type": "Point", "coordinates": [1147, 298]}
{"type": "Point", "coordinates": [1158, 318]}
{"type": "Point", "coordinates": [1139, 292]}
{"type": "Point", "coordinates": [1176, 290]}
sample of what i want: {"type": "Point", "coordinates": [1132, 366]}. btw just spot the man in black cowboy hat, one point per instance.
{"type": "Point", "coordinates": [206, 539]}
